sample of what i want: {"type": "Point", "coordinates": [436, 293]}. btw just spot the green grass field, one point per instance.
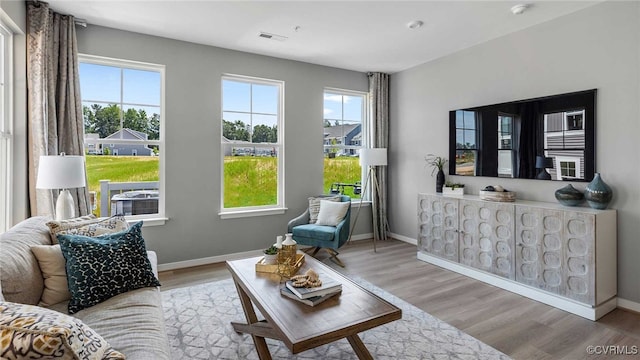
{"type": "Point", "coordinates": [119, 169]}
{"type": "Point", "coordinates": [249, 181]}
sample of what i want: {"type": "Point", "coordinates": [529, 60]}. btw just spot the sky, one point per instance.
{"type": "Point", "coordinates": [141, 89]}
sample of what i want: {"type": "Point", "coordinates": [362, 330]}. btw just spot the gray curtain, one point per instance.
{"type": "Point", "coordinates": [55, 122]}
{"type": "Point", "coordinates": [379, 95]}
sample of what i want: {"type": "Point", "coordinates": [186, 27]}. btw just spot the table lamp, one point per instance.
{"type": "Point", "coordinates": [61, 172]}
{"type": "Point", "coordinates": [542, 164]}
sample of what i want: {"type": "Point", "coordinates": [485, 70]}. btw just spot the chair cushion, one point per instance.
{"type": "Point", "coordinates": [332, 213]}
{"type": "Point", "coordinates": [314, 206]}
{"type": "Point", "coordinates": [320, 232]}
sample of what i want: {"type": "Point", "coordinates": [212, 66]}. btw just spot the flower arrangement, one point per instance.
{"type": "Point", "coordinates": [436, 162]}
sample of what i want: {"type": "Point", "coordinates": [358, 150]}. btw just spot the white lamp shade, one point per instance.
{"type": "Point", "coordinates": [60, 172]}
{"type": "Point", "coordinates": [373, 157]}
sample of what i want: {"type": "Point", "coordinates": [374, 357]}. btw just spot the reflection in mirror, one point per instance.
{"type": "Point", "coordinates": [504, 140]}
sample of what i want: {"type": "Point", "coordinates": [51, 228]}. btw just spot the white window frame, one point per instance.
{"type": "Point", "coordinates": [6, 126]}
{"type": "Point", "coordinates": [248, 211]}
{"type": "Point", "coordinates": [160, 217]}
{"type": "Point", "coordinates": [364, 133]}
{"type": "Point", "coordinates": [568, 159]}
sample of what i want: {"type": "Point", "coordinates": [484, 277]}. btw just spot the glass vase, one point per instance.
{"type": "Point", "coordinates": [598, 194]}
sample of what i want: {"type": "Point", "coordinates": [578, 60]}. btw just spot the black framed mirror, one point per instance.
{"type": "Point", "coordinates": [547, 138]}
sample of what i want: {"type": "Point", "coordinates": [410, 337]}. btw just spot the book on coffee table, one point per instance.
{"type": "Point", "coordinates": [329, 285]}
{"type": "Point", "coordinates": [312, 301]}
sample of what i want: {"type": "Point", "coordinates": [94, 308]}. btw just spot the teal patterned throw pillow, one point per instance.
{"type": "Point", "coordinates": [99, 268]}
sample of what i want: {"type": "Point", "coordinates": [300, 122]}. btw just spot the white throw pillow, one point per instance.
{"type": "Point", "coordinates": [52, 265]}
{"type": "Point", "coordinates": [331, 213]}
{"type": "Point", "coordinates": [314, 206]}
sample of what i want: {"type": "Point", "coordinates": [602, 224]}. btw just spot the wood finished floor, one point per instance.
{"type": "Point", "coordinates": [519, 327]}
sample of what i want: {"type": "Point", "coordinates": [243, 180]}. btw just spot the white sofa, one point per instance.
{"type": "Point", "coordinates": [132, 322]}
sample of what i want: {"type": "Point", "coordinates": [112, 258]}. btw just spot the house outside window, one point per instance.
{"type": "Point", "coordinates": [123, 108]}
{"type": "Point", "coordinates": [564, 141]}
{"type": "Point", "coordinates": [344, 134]}
{"type": "Point", "coordinates": [6, 135]}
{"type": "Point", "coordinates": [252, 145]}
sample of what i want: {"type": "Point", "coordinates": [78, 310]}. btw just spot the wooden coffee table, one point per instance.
{"type": "Point", "coordinates": [302, 327]}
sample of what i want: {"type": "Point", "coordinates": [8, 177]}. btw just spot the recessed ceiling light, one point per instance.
{"type": "Point", "coordinates": [416, 24]}
{"type": "Point", "coordinates": [519, 9]}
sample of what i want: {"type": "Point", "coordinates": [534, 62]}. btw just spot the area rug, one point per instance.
{"type": "Point", "coordinates": [198, 325]}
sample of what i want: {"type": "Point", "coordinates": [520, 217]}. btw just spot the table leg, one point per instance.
{"type": "Point", "coordinates": [359, 348]}
{"type": "Point", "coordinates": [250, 314]}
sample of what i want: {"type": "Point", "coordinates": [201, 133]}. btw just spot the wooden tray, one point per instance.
{"type": "Point", "coordinates": [502, 196]}
{"type": "Point", "coordinates": [273, 268]}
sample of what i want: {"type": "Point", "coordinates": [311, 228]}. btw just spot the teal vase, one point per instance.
{"type": "Point", "coordinates": [569, 196]}
{"type": "Point", "coordinates": [598, 194]}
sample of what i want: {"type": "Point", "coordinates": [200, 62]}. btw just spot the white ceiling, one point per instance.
{"type": "Point", "coordinates": [355, 35]}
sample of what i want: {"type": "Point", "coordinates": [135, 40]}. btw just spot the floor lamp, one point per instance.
{"type": "Point", "coordinates": [370, 158]}
{"type": "Point", "coordinates": [61, 172]}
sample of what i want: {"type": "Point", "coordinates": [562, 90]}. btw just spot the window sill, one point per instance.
{"type": "Point", "coordinates": [251, 213]}
{"type": "Point", "coordinates": [150, 221]}
{"type": "Point", "coordinates": [357, 203]}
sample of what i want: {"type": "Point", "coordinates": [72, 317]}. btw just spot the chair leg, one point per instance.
{"type": "Point", "coordinates": [334, 256]}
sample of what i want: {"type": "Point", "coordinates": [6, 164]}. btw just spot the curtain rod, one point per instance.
{"type": "Point", "coordinates": [80, 22]}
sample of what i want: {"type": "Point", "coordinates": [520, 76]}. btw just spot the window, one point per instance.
{"type": "Point", "coordinates": [568, 168]}
{"type": "Point", "coordinates": [466, 149]}
{"type": "Point", "coordinates": [345, 115]}
{"type": "Point", "coordinates": [6, 134]}
{"type": "Point", "coordinates": [505, 145]}
{"type": "Point", "coordinates": [252, 146]}
{"type": "Point", "coordinates": [564, 141]}
{"type": "Point", "coordinates": [122, 104]}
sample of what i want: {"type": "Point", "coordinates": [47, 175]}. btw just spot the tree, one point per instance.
{"type": "Point", "coordinates": [101, 120]}
{"type": "Point", "coordinates": [265, 134]}
{"type": "Point", "coordinates": [106, 120]}
{"type": "Point", "coordinates": [235, 130]}
{"type": "Point", "coordinates": [136, 120]}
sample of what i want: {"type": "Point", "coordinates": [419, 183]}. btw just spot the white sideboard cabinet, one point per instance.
{"type": "Point", "coordinates": [561, 256]}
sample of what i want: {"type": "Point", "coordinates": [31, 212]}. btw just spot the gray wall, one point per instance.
{"type": "Point", "coordinates": [192, 130]}
{"type": "Point", "coordinates": [602, 47]}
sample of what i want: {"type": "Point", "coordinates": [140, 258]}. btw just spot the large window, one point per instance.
{"type": "Point", "coordinates": [466, 149]}
{"type": "Point", "coordinates": [5, 127]}
{"type": "Point", "coordinates": [122, 104]}
{"type": "Point", "coordinates": [252, 145]}
{"type": "Point", "coordinates": [344, 129]}
{"type": "Point", "coordinates": [505, 145]}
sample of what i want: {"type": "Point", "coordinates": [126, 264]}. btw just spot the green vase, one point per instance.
{"type": "Point", "coordinates": [598, 194]}
{"type": "Point", "coordinates": [569, 196]}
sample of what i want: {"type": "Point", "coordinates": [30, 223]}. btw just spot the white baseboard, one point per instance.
{"type": "Point", "coordinates": [584, 310]}
{"type": "Point", "coordinates": [235, 256]}
{"type": "Point", "coordinates": [628, 305]}
{"type": "Point", "coordinates": [405, 239]}
{"type": "Point", "coordinates": [208, 260]}
{"type": "Point", "coordinates": [361, 237]}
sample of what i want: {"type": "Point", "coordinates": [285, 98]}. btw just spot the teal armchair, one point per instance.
{"type": "Point", "coordinates": [329, 238]}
